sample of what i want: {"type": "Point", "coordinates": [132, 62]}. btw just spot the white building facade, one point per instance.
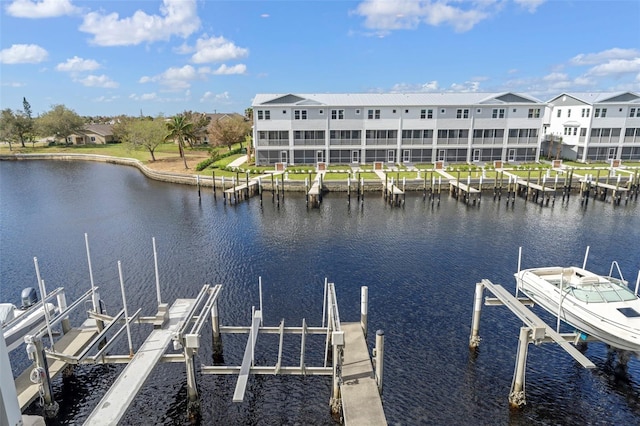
{"type": "Point", "coordinates": [417, 128]}
{"type": "Point", "coordinates": [593, 126]}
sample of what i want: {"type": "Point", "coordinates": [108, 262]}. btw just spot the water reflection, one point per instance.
{"type": "Point", "coordinates": [420, 262]}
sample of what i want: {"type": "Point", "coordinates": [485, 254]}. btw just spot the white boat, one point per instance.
{"type": "Point", "coordinates": [600, 306]}
{"type": "Point", "coordinates": [16, 322]}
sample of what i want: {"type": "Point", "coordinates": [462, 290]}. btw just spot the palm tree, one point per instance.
{"type": "Point", "coordinates": [180, 128]}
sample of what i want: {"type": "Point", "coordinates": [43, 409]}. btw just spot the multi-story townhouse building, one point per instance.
{"type": "Point", "coordinates": [594, 126]}
{"type": "Point", "coordinates": [396, 128]}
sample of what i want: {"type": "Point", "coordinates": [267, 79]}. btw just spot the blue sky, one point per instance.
{"type": "Point", "coordinates": [166, 56]}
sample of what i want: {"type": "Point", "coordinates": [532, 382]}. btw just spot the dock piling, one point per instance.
{"type": "Point", "coordinates": [364, 308]}
{"type": "Point", "coordinates": [379, 358]}
{"type": "Point", "coordinates": [516, 396]}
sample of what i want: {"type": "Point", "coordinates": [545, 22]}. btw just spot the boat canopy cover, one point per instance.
{"type": "Point", "coordinates": [6, 312]}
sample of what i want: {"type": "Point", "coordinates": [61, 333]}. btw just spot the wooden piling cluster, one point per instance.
{"type": "Point", "coordinates": [432, 190]}
{"type": "Point", "coordinates": [465, 192]}
{"type": "Point", "coordinates": [392, 194]}
{"type": "Point", "coordinates": [600, 190]}
{"type": "Point", "coordinates": [359, 191]}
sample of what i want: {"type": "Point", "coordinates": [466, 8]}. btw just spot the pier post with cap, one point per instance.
{"type": "Point", "coordinates": [516, 396]}
{"type": "Point", "coordinates": [474, 339]}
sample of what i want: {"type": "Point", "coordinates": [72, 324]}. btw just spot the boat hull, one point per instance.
{"type": "Point", "coordinates": [604, 321]}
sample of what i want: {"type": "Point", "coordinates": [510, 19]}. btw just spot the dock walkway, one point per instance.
{"type": "Point", "coordinates": [361, 401]}
{"type": "Point", "coordinates": [118, 398]}
{"type": "Point", "coordinates": [72, 343]}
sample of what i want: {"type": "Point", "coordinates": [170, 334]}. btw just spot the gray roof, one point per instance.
{"type": "Point", "coordinates": [99, 129]}
{"type": "Point", "coordinates": [600, 97]}
{"type": "Point", "coordinates": [390, 99]}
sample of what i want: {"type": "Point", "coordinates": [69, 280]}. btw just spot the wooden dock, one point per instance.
{"type": "Point", "coordinates": [314, 195]}
{"type": "Point", "coordinates": [72, 343]}
{"type": "Point", "coordinates": [118, 398]}
{"type": "Point", "coordinates": [361, 401]}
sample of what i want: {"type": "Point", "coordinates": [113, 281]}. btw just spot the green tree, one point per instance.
{"type": "Point", "coordinates": [180, 129]}
{"type": "Point", "coordinates": [248, 112]}
{"type": "Point", "coordinates": [60, 122]}
{"type": "Point", "coordinates": [16, 127]}
{"type": "Point", "coordinates": [7, 121]}
{"type": "Point", "coordinates": [200, 122]}
{"type": "Point", "coordinates": [229, 130]}
{"type": "Point", "coordinates": [29, 123]}
{"type": "Point", "coordinates": [144, 133]}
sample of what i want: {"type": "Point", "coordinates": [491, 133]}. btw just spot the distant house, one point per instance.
{"type": "Point", "coordinates": [203, 137]}
{"type": "Point", "coordinates": [93, 134]}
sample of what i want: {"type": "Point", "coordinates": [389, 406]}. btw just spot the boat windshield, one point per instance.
{"type": "Point", "coordinates": [602, 291]}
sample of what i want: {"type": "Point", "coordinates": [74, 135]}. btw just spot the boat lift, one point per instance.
{"type": "Point", "coordinates": [535, 330]}
{"type": "Point", "coordinates": [182, 324]}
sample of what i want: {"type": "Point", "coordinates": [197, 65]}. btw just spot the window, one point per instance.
{"type": "Point", "coordinates": [462, 113]}
{"type": "Point", "coordinates": [357, 112]}
{"type": "Point", "coordinates": [534, 113]}
{"type": "Point", "coordinates": [583, 131]}
{"type": "Point", "coordinates": [585, 112]}
{"type": "Point", "coordinates": [426, 113]}
{"type": "Point", "coordinates": [321, 111]}
{"type": "Point", "coordinates": [284, 111]}
{"type": "Point", "coordinates": [569, 113]}
{"type": "Point", "coordinates": [632, 112]}
{"type": "Point", "coordinates": [443, 111]}
{"type": "Point", "coordinates": [373, 114]}
{"type": "Point", "coordinates": [575, 131]}
{"type": "Point", "coordinates": [394, 111]}
{"type": "Point", "coordinates": [559, 113]}
{"type": "Point", "coordinates": [337, 114]}
{"type": "Point", "coordinates": [497, 113]}
{"type": "Point", "coordinates": [406, 111]}
{"type": "Point", "coordinates": [300, 114]}
{"type": "Point", "coordinates": [600, 113]}
{"type": "Point", "coordinates": [93, 138]}
{"type": "Point", "coordinates": [264, 115]}
{"type": "Point", "coordinates": [479, 111]}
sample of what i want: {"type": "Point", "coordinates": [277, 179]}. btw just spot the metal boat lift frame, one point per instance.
{"type": "Point", "coordinates": [535, 331]}
{"type": "Point", "coordinates": [105, 330]}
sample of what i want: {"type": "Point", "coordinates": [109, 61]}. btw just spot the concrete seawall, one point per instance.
{"type": "Point", "coordinates": [370, 185]}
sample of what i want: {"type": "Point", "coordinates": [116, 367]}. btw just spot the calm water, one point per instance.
{"type": "Point", "coordinates": [420, 263]}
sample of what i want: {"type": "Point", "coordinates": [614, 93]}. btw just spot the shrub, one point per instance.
{"type": "Point", "coordinates": [204, 164]}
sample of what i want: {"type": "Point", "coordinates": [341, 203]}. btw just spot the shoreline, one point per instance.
{"type": "Point", "coordinates": [369, 185]}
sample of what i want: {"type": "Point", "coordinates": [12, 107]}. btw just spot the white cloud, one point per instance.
{"type": "Point", "coordinates": [98, 81]}
{"type": "Point", "coordinates": [616, 67]}
{"type": "Point", "coordinates": [530, 5]}
{"type": "Point", "coordinates": [106, 99]}
{"type": "Point", "coordinates": [384, 15]}
{"type": "Point", "coordinates": [264, 15]}
{"type": "Point", "coordinates": [604, 56]}
{"type": "Point", "coordinates": [217, 97]}
{"type": "Point", "coordinates": [431, 86]}
{"type": "Point", "coordinates": [217, 49]}
{"type": "Point", "coordinates": [178, 78]}
{"type": "Point", "coordinates": [235, 69]}
{"type": "Point", "coordinates": [23, 54]}
{"type": "Point", "coordinates": [13, 84]}
{"type": "Point", "coordinates": [41, 9]}
{"type": "Point", "coordinates": [467, 86]}
{"type": "Point", "coordinates": [77, 64]}
{"type": "Point", "coordinates": [177, 17]}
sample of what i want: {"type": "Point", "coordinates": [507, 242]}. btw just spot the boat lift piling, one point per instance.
{"type": "Point", "coordinates": [535, 331]}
